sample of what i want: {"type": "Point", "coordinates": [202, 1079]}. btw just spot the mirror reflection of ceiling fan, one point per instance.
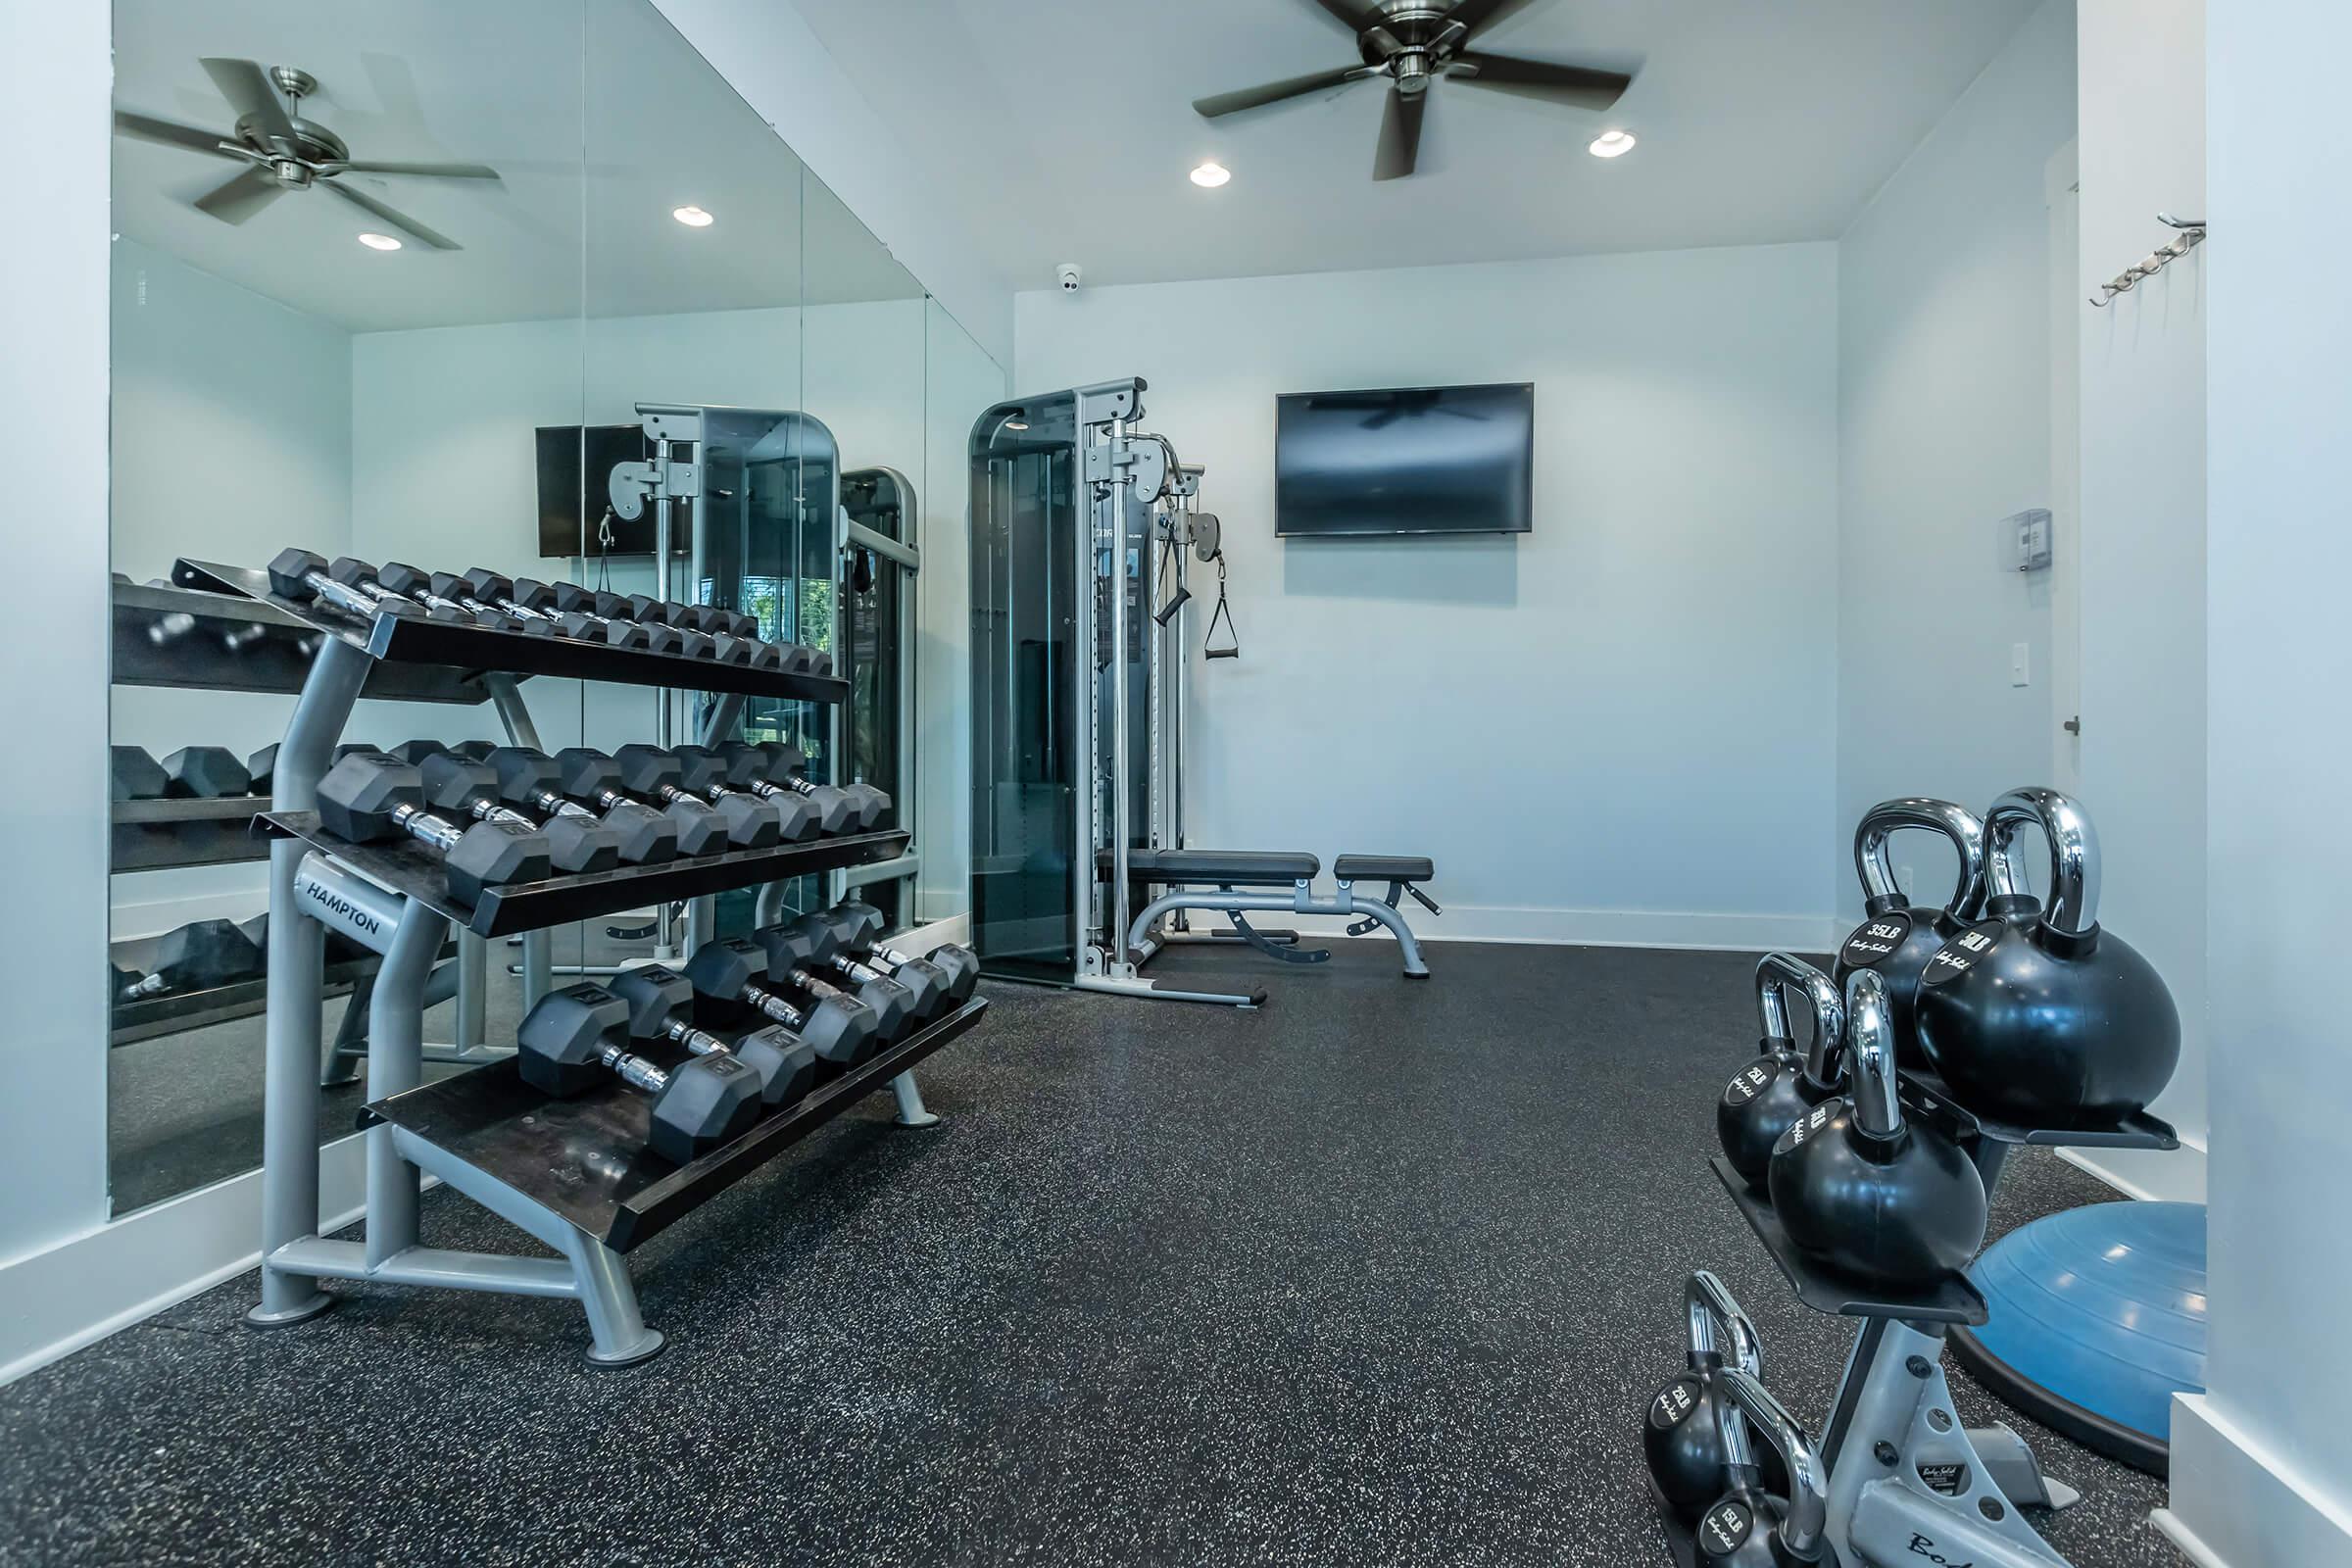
{"type": "Point", "coordinates": [1413, 44]}
{"type": "Point", "coordinates": [283, 151]}
{"type": "Point", "coordinates": [1389, 407]}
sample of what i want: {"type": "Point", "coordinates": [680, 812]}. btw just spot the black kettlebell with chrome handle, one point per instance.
{"type": "Point", "coordinates": [1680, 1435]}
{"type": "Point", "coordinates": [2041, 1016]}
{"type": "Point", "coordinates": [1758, 1523]}
{"type": "Point", "coordinates": [1777, 1088]}
{"type": "Point", "coordinates": [1885, 1203]}
{"type": "Point", "coordinates": [1898, 940]}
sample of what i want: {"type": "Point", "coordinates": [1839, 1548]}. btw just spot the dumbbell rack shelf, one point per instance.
{"type": "Point", "coordinates": [1951, 1300]}
{"type": "Point", "coordinates": [177, 1012]}
{"type": "Point", "coordinates": [392, 899]}
{"type": "Point", "coordinates": [410, 870]}
{"type": "Point", "coordinates": [400, 641]}
{"type": "Point", "coordinates": [582, 1157]}
{"type": "Point", "coordinates": [200, 658]}
{"type": "Point", "coordinates": [162, 835]}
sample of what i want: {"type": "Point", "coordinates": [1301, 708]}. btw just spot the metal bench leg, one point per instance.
{"type": "Point", "coordinates": [1385, 915]}
{"type": "Point", "coordinates": [615, 1327]}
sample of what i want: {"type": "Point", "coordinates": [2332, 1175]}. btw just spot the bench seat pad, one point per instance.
{"type": "Point", "coordinates": [1381, 868]}
{"type": "Point", "coordinates": [1222, 865]}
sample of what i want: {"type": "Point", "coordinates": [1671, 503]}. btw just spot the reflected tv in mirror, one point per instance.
{"type": "Point", "coordinates": [1405, 460]}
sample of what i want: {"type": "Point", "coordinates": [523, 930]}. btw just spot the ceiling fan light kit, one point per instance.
{"type": "Point", "coordinates": [1416, 42]}
{"type": "Point", "coordinates": [284, 152]}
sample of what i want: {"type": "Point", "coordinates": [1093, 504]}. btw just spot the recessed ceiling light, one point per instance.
{"type": "Point", "coordinates": [1211, 174]}
{"type": "Point", "coordinates": [1015, 424]}
{"type": "Point", "coordinates": [379, 242]}
{"type": "Point", "coordinates": [1612, 144]}
{"type": "Point", "coordinates": [692, 216]}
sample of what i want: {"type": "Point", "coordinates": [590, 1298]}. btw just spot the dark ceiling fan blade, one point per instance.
{"type": "Point", "coordinates": [172, 133]}
{"type": "Point", "coordinates": [1274, 92]}
{"type": "Point", "coordinates": [242, 197]}
{"type": "Point", "coordinates": [1476, 13]}
{"type": "Point", "coordinates": [424, 171]}
{"type": "Point", "coordinates": [247, 87]}
{"type": "Point", "coordinates": [1574, 85]}
{"type": "Point", "coordinates": [1399, 134]}
{"type": "Point", "coordinates": [392, 216]}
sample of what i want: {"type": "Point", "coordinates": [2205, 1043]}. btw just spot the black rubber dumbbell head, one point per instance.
{"type": "Point", "coordinates": [205, 773]}
{"type": "Point", "coordinates": [646, 770]}
{"type": "Point", "coordinates": [564, 1038]}
{"type": "Point", "coordinates": [137, 776]}
{"type": "Point", "coordinates": [359, 800]}
{"type": "Point", "coordinates": [699, 828]}
{"type": "Point", "coordinates": [841, 1030]}
{"type": "Point", "coordinates": [710, 1101]}
{"type": "Point", "coordinates": [643, 834]}
{"type": "Point", "coordinates": [261, 765]}
{"type": "Point", "coordinates": [728, 649]}
{"type": "Point", "coordinates": [290, 570]}
{"type": "Point", "coordinates": [353, 573]}
{"type": "Point", "coordinates": [415, 753]}
{"type": "Point", "coordinates": [790, 947]}
{"type": "Point", "coordinates": [837, 811]}
{"type": "Point", "coordinates": [788, 1068]}
{"type": "Point", "coordinates": [925, 985]}
{"type": "Point", "coordinates": [658, 996]}
{"type": "Point", "coordinates": [410, 582]}
{"type": "Point", "coordinates": [204, 953]}
{"type": "Point", "coordinates": [475, 750]}
{"type": "Point", "coordinates": [743, 768]}
{"type": "Point", "coordinates": [751, 822]}
{"type": "Point", "coordinates": [576, 846]}
{"type": "Point", "coordinates": [449, 585]}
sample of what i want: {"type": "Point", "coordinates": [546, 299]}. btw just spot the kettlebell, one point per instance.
{"type": "Point", "coordinates": [1681, 1436]}
{"type": "Point", "coordinates": [2039, 1016]}
{"type": "Point", "coordinates": [1894, 939]}
{"type": "Point", "coordinates": [1756, 1523]}
{"type": "Point", "coordinates": [1768, 1094]}
{"type": "Point", "coordinates": [1885, 1203]}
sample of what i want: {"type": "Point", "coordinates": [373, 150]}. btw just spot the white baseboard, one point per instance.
{"type": "Point", "coordinates": [2236, 1502]}
{"type": "Point", "coordinates": [2152, 1175]}
{"type": "Point", "coordinates": [85, 1287]}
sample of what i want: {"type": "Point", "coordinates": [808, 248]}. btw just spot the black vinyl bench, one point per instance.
{"type": "Point", "coordinates": [1215, 880]}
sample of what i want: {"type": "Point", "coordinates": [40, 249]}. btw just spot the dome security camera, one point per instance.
{"type": "Point", "coordinates": [1068, 275]}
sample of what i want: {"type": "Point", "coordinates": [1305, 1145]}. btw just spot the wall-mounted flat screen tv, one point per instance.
{"type": "Point", "coordinates": [1409, 460]}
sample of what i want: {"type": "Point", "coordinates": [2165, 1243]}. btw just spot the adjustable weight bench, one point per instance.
{"type": "Point", "coordinates": [1219, 879]}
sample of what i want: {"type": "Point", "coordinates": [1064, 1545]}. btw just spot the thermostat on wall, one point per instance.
{"type": "Point", "coordinates": [2025, 540]}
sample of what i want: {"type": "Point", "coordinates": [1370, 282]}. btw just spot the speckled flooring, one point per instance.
{"type": "Point", "coordinates": [1382, 1274]}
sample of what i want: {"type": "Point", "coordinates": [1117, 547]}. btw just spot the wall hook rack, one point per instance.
{"type": "Point", "coordinates": [2189, 233]}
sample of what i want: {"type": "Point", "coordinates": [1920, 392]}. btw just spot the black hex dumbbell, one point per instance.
{"type": "Point", "coordinates": [193, 957]}
{"type": "Point", "coordinates": [576, 846]}
{"type": "Point", "coordinates": [731, 976]}
{"type": "Point", "coordinates": [795, 958]}
{"type": "Point", "coordinates": [650, 612]}
{"type": "Point", "coordinates": [860, 926]}
{"type": "Point", "coordinates": [723, 772]}
{"type": "Point", "coordinates": [701, 773]}
{"type": "Point", "coordinates": [541, 599]}
{"type": "Point", "coordinates": [449, 586]}
{"type": "Point", "coordinates": [660, 1004]}
{"type": "Point", "coordinates": [572, 1037]}
{"type": "Point", "coordinates": [530, 781]}
{"type": "Point", "coordinates": [370, 797]}
{"type": "Point", "coordinates": [571, 599]}
{"type": "Point", "coordinates": [301, 576]}
{"type": "Point", "coordinates": [261, 765]}
{"type": "Point", "coordinates": [654, 774]}
{"type": "Point", "coordinates": [136, 775]}
{"type": "Point", "coordinates": [589, 776]}
{"type": "Point", "coordinates": [360, 577]}
{"type": "Point", "coordinates": [205, 773]}
{"type": "Point", "coordinates": [827, 947]}
{"type": "Point", "coordinates": [410, 582]}
{"type": "Point", "coordinates": [842, 807]}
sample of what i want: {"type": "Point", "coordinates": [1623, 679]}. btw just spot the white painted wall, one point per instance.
{"type": "Point", "coordinates": [767, 51]}
{"type": "Point", "coordinates": [53, 818]}
{"type": "Point", "coordinates": [2259, 1471]}
{"type": "Point", "coordinates": [231, 438]}
{"type": "Point", "coordinates": [2144, 410]}
{"type": "Point", "coordinates": [1943, 430]}
{"type": "Point", "coordinates": [1628, 708]}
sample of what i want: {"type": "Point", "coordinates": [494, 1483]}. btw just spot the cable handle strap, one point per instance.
{"type": "Point", "coordinates": [1225, 610]}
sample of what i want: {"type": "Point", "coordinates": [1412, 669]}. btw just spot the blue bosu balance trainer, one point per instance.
{"type": "Point", "coordinates": [2098, 1319]}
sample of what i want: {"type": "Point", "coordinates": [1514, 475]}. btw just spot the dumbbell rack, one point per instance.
{"type": "Point", "coordinates": [570, 1173]}
{"type": "Point", "coordinates": [275, 650]}
{"type": "Point", "coordinates": [1891, 1423]}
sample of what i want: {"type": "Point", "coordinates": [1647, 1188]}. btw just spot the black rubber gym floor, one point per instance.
{"type": "Point", "coordinates": [1381, 1274]}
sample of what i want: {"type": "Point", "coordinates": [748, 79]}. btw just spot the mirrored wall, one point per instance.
{"type": "Point", "coordinates": [523, 290]}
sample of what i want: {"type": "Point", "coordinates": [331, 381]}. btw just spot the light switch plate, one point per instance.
{"type": "Point", "coordinates": [2021, 664]}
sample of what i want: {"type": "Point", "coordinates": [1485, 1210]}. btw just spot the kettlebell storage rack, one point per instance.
{"type": "Point", "coordinates": [1905, 1480]}
{"type": "Point", "coordinates": [392, 899]}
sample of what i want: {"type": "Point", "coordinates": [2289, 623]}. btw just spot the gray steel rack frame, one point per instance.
{"type": "Point", "coordinates": [394, 903]}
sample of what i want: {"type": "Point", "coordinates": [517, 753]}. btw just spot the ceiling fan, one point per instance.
{"type": "Point", "coordinates": [283, 151]}
{"type": "Point", "coordinates": [1414, 42]}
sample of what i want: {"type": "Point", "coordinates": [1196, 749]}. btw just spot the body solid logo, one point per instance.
{"type": "Point", "coordinates": [1922, 1547]}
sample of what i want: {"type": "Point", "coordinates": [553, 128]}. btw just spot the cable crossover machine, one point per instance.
{"type": "Point", "coordinates": [1085, 530]}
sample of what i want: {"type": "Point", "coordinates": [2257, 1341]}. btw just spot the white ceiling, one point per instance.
{"type": "Point", "coordinates": [1069, 123]}
{"type": "Point", "coordinates": [599, 118]}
